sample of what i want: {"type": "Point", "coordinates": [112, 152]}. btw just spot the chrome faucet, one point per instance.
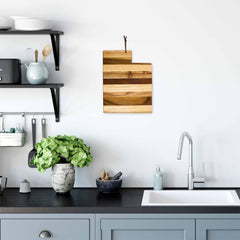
{"type": "Point", "coordinates": [191, 178]}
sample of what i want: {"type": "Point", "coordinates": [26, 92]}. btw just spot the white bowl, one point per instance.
{"type": "Point", "coordinates": [6, 22]}
{"type": "Point", "coordinates": [31, 24]}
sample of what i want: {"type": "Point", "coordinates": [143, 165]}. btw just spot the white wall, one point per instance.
{"type": "Point", "coordinates": [194, 47]}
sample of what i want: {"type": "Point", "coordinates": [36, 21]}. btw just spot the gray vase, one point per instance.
{"type": "Point", "coordinates": [63, 177]}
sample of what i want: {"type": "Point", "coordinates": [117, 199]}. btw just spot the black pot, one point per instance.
{"type": "Point", "coordinates": [109, 186]}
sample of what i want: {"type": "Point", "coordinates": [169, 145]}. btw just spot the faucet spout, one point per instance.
{"type": "Point", "coordinates": [190, 162]}
{"type": "Point", "coordinates": [181, 140]}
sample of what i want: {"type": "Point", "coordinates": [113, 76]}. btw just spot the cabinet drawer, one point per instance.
{"type": "Point", "coordinates": [218, 229]}
{"type": "Point", "coordinates": [61, 229]}
{"type": "Point", "coordinates": [147, 229]}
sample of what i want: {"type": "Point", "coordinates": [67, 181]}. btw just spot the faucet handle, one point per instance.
{"type": "Point", "coordinates": [198, 180]}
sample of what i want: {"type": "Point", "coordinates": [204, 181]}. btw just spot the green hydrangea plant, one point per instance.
{"type": "Point", "coordinates": [60, 149]}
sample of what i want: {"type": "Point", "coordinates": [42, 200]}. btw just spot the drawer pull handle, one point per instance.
{"type": "Point", "coordinates": [45, 234]}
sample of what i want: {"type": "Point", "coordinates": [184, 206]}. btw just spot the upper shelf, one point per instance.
{"type": "Point", "coordinates": [55, 39]}
{"type": "Point", "coordinates": [40, 32]}
{"type": "Point", "coordinates": [26, 85]}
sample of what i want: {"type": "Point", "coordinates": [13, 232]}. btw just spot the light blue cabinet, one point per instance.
{"type": "Point", "coordinates": [218, 229]}
{"type": "Point", "coordinates": [121, 226]}
{"type": "Point", "coordinates": [147, 229]}
{"type": "Point", "coordinates": [168, 227]}
{"type": "Point", "coordinates": [47, 226]}
{"type": "Point", "coordinates": [31, 229]}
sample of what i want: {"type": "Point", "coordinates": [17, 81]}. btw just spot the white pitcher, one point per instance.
{"type": "Point", "coordinates": [37, 73]}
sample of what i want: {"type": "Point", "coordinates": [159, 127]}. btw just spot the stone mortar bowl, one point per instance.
{"type": "Point", "coordinates": [109, 186]}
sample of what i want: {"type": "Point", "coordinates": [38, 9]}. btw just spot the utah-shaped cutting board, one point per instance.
{"type": "Point", "coordinates": [127, 86]}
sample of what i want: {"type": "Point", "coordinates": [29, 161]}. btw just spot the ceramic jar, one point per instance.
{"type": "Point", "coordinates": [25, 186]}
{"type": "Point", "coordinates": [37, 73]}
{"type": "Point", "coordinates": [63, 177]}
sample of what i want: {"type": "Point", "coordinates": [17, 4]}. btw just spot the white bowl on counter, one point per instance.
{"type": "Point", "coordinates": [31, 24]}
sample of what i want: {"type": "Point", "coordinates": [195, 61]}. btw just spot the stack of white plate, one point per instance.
{"type": "Point", "coordinates": [6, 23]}
{"type": "Point", "coordinates": [31, 24]}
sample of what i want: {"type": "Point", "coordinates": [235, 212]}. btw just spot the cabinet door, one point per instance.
{"type": "Point", "coordinates": [148, 229]}
{"type": "Point", "coordinates": [60, 229]}
{"type": "Point", "coordinates": [218, 229]}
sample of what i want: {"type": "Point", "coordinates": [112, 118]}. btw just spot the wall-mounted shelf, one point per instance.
{"type": "Point", "coordinates": [55, 93]}
{"type": "Point", "coordinates": [55, 39]}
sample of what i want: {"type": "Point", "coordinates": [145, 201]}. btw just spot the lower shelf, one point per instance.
{"type": "Point", "coordinates": [55, 93]}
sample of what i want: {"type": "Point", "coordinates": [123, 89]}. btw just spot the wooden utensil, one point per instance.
{"type": "Point", "coordinates": [36, 55]}
{"type": "Point", "coordinates": [46, 52]}
{"type": "Point", "coordinates": [33, 152]}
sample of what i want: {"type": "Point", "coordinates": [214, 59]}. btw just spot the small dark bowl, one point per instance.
{"type": "Point", "coordinates": [109, 186]}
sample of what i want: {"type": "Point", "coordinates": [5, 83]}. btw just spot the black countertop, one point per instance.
{"type": "Point", "coordinates": [89, 200]}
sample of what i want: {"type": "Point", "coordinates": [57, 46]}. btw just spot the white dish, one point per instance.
{"type": "Point", "coordinates": [5, 28]}
{"type": "Point", "coordinates": [15, 17]}
{"type": "Point", "coordinates": [31, 24]}
{"type": "Point", "coordinates": [6, 22]}
{"type": "Point", "coordinates": [190, 198]}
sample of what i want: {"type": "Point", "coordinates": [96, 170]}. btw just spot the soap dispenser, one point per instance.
{"type": "Point", "coordinates": [158, 179]}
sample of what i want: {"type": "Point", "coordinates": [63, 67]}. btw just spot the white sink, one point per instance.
{"type": "Point", "coordinates": [190, 198]}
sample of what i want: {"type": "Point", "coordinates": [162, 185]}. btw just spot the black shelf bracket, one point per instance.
{"type": "Point", "coordinates": [55, 92]}
{"type": "Point", "coordinates": [55, 39]}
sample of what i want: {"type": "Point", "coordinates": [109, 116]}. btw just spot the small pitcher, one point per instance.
{"type": "Point", "coordinates": [37, 73]}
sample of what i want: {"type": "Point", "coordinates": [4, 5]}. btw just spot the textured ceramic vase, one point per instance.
{"type": "Point", "coordinates": [37, 73]}
{"type": "Point", "coordinates": [63, 177]}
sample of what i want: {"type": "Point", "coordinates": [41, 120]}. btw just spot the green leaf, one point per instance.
{"type": "Point", "coordinates": [51, 149]}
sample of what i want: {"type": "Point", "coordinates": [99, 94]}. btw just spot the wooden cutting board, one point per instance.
{"type": "Point", "coordinates": [117, 57]}
{"type": "Point", "coordinates": [127, 86]}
